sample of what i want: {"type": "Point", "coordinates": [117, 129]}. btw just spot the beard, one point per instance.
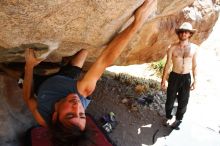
{"type": "Point", "coordinates": [183, 38]}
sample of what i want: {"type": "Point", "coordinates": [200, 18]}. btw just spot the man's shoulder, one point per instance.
{"type": "Point", "coordinates": [195, 46]}
{"type": "Point", "coordinates": [174, 45]}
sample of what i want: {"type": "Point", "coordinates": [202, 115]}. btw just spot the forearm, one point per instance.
{"type": "Point", "coordinates": [107, 58]}
{"type": "Point", "coordinates": [194, 67]}
{"type": "Point", "coordinates": [27, 87]}
{"type": "Point", "coordinates": [121, 41]}
{"type": "Point", "coordinates": [115, 48]}
{"type": "Point", "coordinates": [194, 72]}
{"type": "Point", "coordinates": [165, 72]}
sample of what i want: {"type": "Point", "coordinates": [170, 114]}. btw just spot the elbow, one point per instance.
{"type": "Point", "coordinates": [88, 91]}
{"type": "Point", "coordinates": [194, 68]}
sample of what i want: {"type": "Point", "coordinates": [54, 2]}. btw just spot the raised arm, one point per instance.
{"type": "Point", "coordinates": [29, 99]}
{"type": "Point", "coordinates": [166, 68]}
{"type": "Point", "coordinates": [87, 85]}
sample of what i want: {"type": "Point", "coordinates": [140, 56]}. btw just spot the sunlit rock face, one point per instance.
{"type": "Point", "coordinates": [69, 25]}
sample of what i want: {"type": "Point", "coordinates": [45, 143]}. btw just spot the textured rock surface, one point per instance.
{"type": "Point", "coordinates": [14, 115]}
{"type": "Point", "coordinates": [70, 25]}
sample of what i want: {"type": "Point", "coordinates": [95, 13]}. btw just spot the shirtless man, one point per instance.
{"type": "Point", "coordinates": [182, 57]}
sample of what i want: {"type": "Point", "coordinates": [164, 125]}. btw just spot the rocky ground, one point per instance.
{"type": "Point", "coordinates": [139, 122]}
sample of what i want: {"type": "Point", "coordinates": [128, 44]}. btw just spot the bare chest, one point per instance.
{"type": "Point", "coordinates": [183, 52]}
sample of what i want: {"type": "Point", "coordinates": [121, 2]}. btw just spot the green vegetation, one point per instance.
{"type": "Point", "coordinates": [158, 66]}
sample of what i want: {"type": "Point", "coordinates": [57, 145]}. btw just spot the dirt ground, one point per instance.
{"type": "Point", "coordinates": [136, 128]}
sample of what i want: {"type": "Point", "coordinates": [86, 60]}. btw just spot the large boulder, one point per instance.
{"type": "Point", "coordinates": [67, 26]}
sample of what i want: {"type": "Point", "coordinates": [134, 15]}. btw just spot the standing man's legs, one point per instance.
{"type": "Point", "coordinates": [171, 94]}
{"type": "Point", "coordinates": [183, 97]}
